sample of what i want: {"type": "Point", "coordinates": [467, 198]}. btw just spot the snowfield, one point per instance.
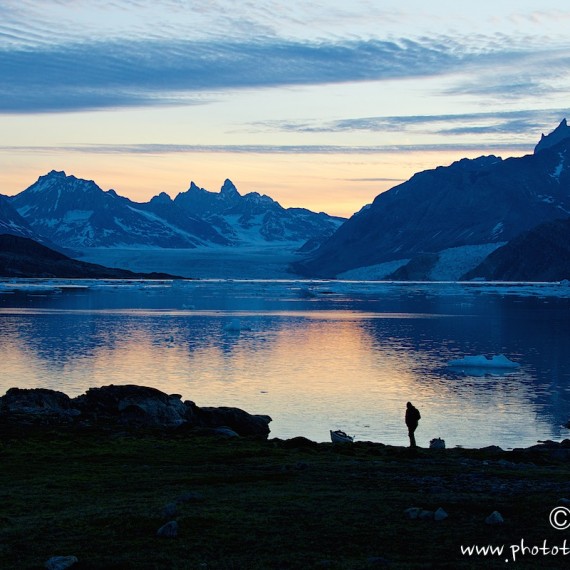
{"type": "Point", "coordinates": [263, 262]}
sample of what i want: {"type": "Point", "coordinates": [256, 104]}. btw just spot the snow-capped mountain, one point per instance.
{"type": "Point", "coordinates": [11, 222]}
{"type": "Point", "coordinates": [254, 216]}
{"type": "Point", "coordinates": [77, 213]}
{"type": "Point", "coordinates": [471, 202]}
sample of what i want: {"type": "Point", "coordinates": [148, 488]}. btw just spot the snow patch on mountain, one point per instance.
{"type": "Point", "coordinates": [559, 168]}
{"type": "Point", "coordinates": [457, 261]}
{"type": "Point", "coordinates": [376, 272]}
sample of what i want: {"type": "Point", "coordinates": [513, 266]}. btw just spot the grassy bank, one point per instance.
{"type": "Point", "coordinates": [262, 505]}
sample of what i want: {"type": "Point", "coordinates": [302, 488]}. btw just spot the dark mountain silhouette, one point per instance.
{"type": "Point", "coordinates": [541, 254]}
{"type": "Point", "coordinates": [24, 257]}
{"type": "Point", "coordinates": [471, 202]}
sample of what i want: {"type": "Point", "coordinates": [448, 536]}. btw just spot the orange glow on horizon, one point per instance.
{"type": "Point", "coordinates": [338, 184]}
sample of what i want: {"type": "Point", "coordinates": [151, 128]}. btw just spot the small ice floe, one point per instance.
{"type": "Point", "coordinates": [306, 293]}
{"type": "Point", "coordinates": [235, 325]}
{"type": "Point", "coordinates": [499, 361]}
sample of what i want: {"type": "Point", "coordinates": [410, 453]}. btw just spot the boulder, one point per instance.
{"type": "Point", "coordinates": [169, 530]}
{"type": "Point", "coordinates": [61, 562]}
{"type": "Point", "coordinates": [132, 405]}
{"type": "Point", "coordinates": [237, 420]}
{"type": "Point", "coordinates": [440, 515]}
{"type": "Point", "coordinates": [495, 518]}
{"type": "Point", "coordinates": [37, 405]}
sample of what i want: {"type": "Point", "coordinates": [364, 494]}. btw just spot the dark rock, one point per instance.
{"type": "Point", "coordinates": [190, 497]}
{"type": "Point", "coordinates": [378, 561]}
{"type": "Point", "coordinates": [38, 405]}
{"type": "Point", "coordinates": [239, 421]}
{"type": "Point", "coordinates": [492, 450]}
{"type": "Point", "coordinates": [132, 405]}
{"type": "Point", "coordinates": [224, 431]}
{"type": "Point", "coordinates": [418, 268]}
{"type": "Point", "coordinates": [494, 518]}
{"type": "Point", "coordinates": [169, 511]}
{"type": "Point", "coordinates": [61, 562]}
{"type": "Point", "coordinates": [298, 443]}
{"type": "Point", "coordinates": [169, 530]}
{"type": "Point", "coordinates": [127, 405]}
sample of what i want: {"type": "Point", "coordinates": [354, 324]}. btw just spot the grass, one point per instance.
{"type": "Point", "coordinates": [246, 504]}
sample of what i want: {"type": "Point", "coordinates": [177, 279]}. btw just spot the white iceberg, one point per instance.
{"type": "Point", "coordinates": [481, 361]}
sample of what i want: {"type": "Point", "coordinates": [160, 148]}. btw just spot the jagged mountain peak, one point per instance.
{"type": "Point", "coordinates": [162, 198]}
{"type": "Point", "coordinates": [78, 213]}
{"type": "Point", "coordinates": [229, 190]}
{"type": "Point", "coordinates": [560, 133]}
{"type": "Point", "coordinates": [476, 163]}
{"type": "Point", "coordinates": [194, 187]}
{"type": "Point", "coordinates": [63, 182]}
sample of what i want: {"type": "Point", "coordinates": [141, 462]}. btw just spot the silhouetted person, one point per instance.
{"type": "Point", "coordinates": [412, 418]}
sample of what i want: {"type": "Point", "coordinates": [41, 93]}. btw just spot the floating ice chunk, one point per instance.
{"type": "Point", "coordinates": [481, 361]}
{"type": "Point", "coordinates": [235, 325]}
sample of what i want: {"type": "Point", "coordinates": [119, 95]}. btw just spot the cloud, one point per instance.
{"type": "Point", "coordinates": [122, 73]}
{"type": "Point", "coordinates": [157, 149]}
{"type": "Point", "coordinates": [500, 122]}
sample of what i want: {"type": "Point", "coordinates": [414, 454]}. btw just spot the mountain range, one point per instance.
{"type": "Point", "coordinates": [480, 201]}
{"type": "Point", "coordinates": [484, 217]}
{"type": "Point", "coordinates": [74, 213]}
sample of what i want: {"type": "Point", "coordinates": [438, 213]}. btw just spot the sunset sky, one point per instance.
{"type": "Point", "coordinates": [318, 104]}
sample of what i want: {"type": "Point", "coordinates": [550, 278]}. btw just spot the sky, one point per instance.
{"type": "Point", "coordinates": [320, 105]}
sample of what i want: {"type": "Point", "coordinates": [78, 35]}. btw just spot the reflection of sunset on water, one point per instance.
{"type": "Point", "coordinates": [314, 368]}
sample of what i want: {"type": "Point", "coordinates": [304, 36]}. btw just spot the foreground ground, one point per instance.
{"type": "Point", "coordinates": [239, 503]}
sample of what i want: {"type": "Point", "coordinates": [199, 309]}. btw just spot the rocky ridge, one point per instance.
{"type": "Point", "coordinates": [129, 406]}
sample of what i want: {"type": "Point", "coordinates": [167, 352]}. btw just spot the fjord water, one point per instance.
{"type": "Point", "coordinates": [313, 355]}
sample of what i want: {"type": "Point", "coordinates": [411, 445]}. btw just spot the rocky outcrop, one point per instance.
{"type": "Point", "coordinates": [37, 405]}
{"type": "Point", "coordinates": [130, 404]}
{"type": "Point", "coordinates": [124, 405]}
{"type": "Point", "coordinates": [239, 421]}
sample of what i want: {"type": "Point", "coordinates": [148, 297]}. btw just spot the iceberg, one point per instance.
{"type": "Point", "coordinates": [481, 361]}
{"type": "Point", "coordinates": [236, 326]}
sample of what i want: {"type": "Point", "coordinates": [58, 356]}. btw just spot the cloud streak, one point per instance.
{"type": "Point", "coordinates": [500, 122]}
{"type": "Point", "coordinates": [133, 73]}
{"type": "Point", "coordinates": [157, 149]}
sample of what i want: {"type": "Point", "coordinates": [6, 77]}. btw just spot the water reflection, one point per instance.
{"type": "Point", "coordinates": [347, 359]}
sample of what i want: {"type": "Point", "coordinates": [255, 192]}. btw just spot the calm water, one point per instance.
{"type": "Point", "coordinates": [314, 356]}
